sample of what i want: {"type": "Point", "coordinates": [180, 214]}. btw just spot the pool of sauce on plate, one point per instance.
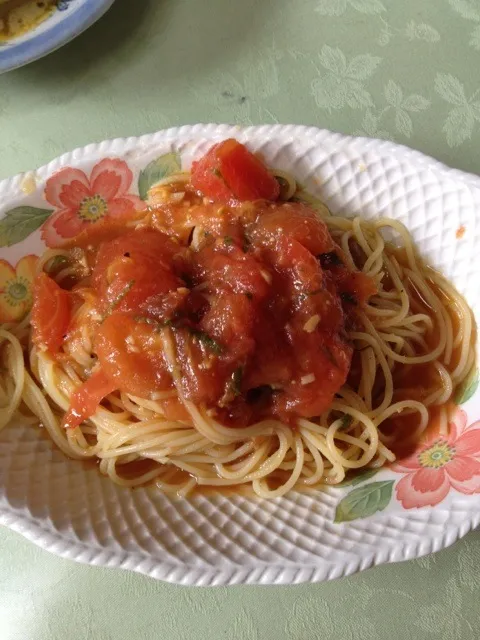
{"type": "Point", "coordinates": [405, 383]}
{"type": "Point", "coordinates": [416, 382]}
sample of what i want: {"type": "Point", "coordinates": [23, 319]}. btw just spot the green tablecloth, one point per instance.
{"type": "Point", "coordinates": [401, 69]}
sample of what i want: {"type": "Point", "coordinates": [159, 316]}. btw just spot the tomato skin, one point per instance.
{"type": "Point", "coordinates": [51, 313]}
{"type": "Point", "coordinates": [230, 320]}
{"type": "Point", "coordinates": [297, 222]}
{"type": "Point", "coordinates": [232, 270]}
{"type": "Point", "coordinates": [355, 288]}
{"type": "Point", "coordinates": [230, 171]}
{"type": "Point", "coordinates": [206, 177]}
{"type": "Point", "coordinates": [99, 232]}
{"type": "Point", "coordinates": [131, 353]}
{"type": "Point", "coordinates": [132, 268]}
{"type": "Point", "coordinates": [328, 362]}
{"type": "Point", "coordinates": [173, 409]}
{"type": "Point", "coordinates": [86, 398]}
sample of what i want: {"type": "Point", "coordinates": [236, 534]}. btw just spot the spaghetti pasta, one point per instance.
{"type": "Point", "coordinates": [411, 342]}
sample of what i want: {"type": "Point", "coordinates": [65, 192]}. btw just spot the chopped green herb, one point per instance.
{"type": "Point", "coordinates": [207, 341]}
{"type": "Point", "coordinates": [284, 186]}
{"type": "Point", "coordinates": [348, 298]}
{"type": "Point", "coordinates": [249, 295]}
{"type": "Point", "coordinates": [237, 378]}
{"type": "Point", "coordinates": [206, 234]}
{"type": "Point", "coordinates": [346, 421]}
{"type": "Point", "coordinates": [307, 294]}
{"type": "Point", "coordinates": [246, 244]}
{"type": "Point", "coordinates": [228, 240]}
{"type": "Point", "coordinates": [216, 172]}
{"type": "Point", "coordinates": [57, 263]}
{"type": "Point", "coordinates": [328, 352]}
{"type": "Point", "coordinates": [121, 296]}
{"type": "Point", "coordinates": [154, 323]}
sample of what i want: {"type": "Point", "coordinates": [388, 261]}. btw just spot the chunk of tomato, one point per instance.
{"type": "Point", "coordinates": [297, 222]}
{"type": "Point", "coordinates": [87, 397]}
{"type": "Point", "coordinates": [229, 171]}
{"type": "Point", "coordinates": [131, 354]}
{"type": "Point", "coordinates": [232, 270]}
{"type": "Point", "coordinates": [133, 268]}
{"type": "Point", "coordinates": [321, 369]}
{"type": "Point", "coordinates": [51, 313]}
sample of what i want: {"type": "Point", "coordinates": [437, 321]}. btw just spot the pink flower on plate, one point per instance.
{"type": "Point", "coordinates": [81, 201]}
{"type": "Point", "coordinates": [441, 463]}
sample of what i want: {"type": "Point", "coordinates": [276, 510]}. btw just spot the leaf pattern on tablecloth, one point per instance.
{"type": "Point", "coordinates": [341, 82]}
{"type": "Point", "coordinates": [465, 112]}
{"type": "Point", "coordinates": [470, 10]}
{"type": "Point", "coordinates": [247, 91]}
{"type": "Point", "coordinates": [397, 113]}
{"type": "Point", "coordinates": [412, 31]}
{"type": "Point", "coordinates": [468, 565]}
{"type": "Point", "coordinates": [314, 617]}
{"type": "Point", "coordinates": [445, 616]}
{"type": "Point", "coordinates": [403, 106]}
{"type": "Point", "coordinates": [244, 627]}
{"type": "Point", "coordinates": [421, 31]}
{"type": "Point", "coordinates": [338, 7]}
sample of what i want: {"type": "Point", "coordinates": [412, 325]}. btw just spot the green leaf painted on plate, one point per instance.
{"type": "Point", "coordinates": [467, 389]}
{"type": "Point", "coordinates": [19, 223]}
{"type": "Point", "coordinates": [364, 501]}
{"type": "Point", "coordinates": [157, 170]}
{"type": "Point", "coordinates": [357, 478]}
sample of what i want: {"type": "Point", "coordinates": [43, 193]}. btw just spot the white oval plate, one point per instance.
{"type": "Point", "coordinates": [401, 513]}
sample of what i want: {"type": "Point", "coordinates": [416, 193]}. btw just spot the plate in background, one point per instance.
{"type": "Point", "coordinates": [69, 19]}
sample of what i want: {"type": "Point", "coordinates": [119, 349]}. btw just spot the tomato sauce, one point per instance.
{"type": "Point", "coordinates": [255, 295]}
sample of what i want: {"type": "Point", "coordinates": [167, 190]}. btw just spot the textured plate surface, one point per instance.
{"type": "Point", "coordinates": [69, 509]}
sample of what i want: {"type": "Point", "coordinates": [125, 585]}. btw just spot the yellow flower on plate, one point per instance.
{"type": "Point", "coordinates": [16, 288]}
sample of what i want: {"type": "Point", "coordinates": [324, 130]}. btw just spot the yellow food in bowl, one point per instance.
{"type": "Point", "coordinates": [19, 16]}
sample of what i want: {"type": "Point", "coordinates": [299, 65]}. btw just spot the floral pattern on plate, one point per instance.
{"type": "Point", "coordinates": [82, 200]}
{"type": "Point", "coordinates": [441, 463]}
{"type": "Point", "coordinates": [16, 288]}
